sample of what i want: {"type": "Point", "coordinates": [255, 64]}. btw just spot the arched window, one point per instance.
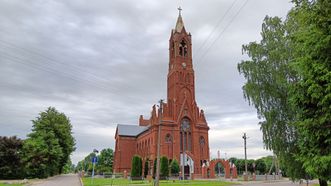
{"type": "Point", "coordinates": [189, 142]}
{"type": "Point", "coordinates": [202, 141]}
{"type": "Point", "coordinates": [185, 135]}
{"type": "Point", "coordinates": [182, 48]}
{"type": "Point", "coordinates": [168, 138]}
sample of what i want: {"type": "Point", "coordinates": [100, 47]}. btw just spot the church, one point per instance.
{"type": "Point", "coordinates": [183, 124]}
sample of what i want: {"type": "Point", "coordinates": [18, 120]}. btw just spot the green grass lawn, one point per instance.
{"type": "Point", "coordinates": [3, 184]}
{"type": "Point", "coordinates": [109, 181]}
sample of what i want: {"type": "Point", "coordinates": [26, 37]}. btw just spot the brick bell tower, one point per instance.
{"type": "Point", "coordinates": [184, 131]}
{"type": "Point", "coordinates": [190, 123]}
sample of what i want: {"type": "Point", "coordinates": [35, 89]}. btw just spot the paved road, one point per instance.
{"type": "Point", "coordinates": [62, 180]}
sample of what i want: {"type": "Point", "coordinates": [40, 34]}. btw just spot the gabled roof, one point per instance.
{"type": "Point", "coordinates": [130, 130]}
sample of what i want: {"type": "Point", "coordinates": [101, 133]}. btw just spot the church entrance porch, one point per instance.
{"type": "Point", "coordinates": [187, 172]}
{"type": "Point", "coordinates": [188, 166]}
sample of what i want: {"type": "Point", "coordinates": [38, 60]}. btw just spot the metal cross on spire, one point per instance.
{"type": "Point", "coordinates": [180, 10]}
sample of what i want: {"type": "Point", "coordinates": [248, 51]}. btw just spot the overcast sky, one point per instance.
{"type": "Point", "coordinates": [105, 62]}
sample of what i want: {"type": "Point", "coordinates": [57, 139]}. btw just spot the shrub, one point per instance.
{"type": "Point", "coordinates": [164, 169]}
{"type": "Point", "coordinates": [146, 168]}
{"type": "Point", "coordinates": [174, 167]}
{"type": "Point", "coordinates": [136, 169]}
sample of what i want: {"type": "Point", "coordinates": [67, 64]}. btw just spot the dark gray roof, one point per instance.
{"type": "Point", "coordinates": [130, 130]}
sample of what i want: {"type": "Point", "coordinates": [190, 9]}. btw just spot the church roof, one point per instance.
{"type": "Point", "coordinates": [130, 130]}
{"type": "Point", "coordinates": [180, 24]}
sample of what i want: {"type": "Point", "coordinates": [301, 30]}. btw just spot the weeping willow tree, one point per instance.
{"type": "Point", "coordinates": [269, 75]}
{"type": "Point", "coordinates": [288, 81]}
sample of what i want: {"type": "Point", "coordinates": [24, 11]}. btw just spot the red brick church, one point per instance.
{"type": "Point", "coordinates": [183, 124]}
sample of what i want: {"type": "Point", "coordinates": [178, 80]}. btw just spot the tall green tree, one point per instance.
{"type": "Point", "coordinates": [86, 164]}
{"type": "Point", "coordinates": [69, 167]}
{"type": "Point", "coordinates": [105, 160]}
{"type": "Point", "coordinates": [240, 164]}
{"type": "Point", "coordinates": [269, 77]}
{"type": "Point", "coordinates": [41, 154]}
{"type": "Point", "coordinates": [289, 83]}
{"type": "Point", "coordinates": [10, 157]}
{"type": "Point", "coordinates": [48, 147]}
{"type": "Point", "coordinates": [104, 164]}
{"type": "Point", "coordinates": [312, 94]}
{"type": "Point", "coordinates": [60, 124]}
{"type": "Point", "coordinates": [260, 166]}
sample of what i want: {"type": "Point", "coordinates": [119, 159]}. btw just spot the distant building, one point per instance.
{"type": "Point", "coordinates": [179, 110]}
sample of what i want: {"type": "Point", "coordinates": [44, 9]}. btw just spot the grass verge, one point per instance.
{"type": "Point", "coordinates": [109, 182]}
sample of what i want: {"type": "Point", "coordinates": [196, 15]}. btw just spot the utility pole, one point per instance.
{"type": "Point", "coordinates": [245, 175]}
{"type": "Point", "coordinates": [184, 127]}
{"type": "Point", "coordinates": [183, 153]}
{"type": "Point", "coordinates": [218, 164]}
{"type": "Point", "coordinates": [157, 177]}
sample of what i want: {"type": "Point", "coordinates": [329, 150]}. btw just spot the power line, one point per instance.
{"type": "Point", "coordinates": [49, 65]}
{"type": "Point", "coordinates": [237, 13]}
{"type": "Point", "coordinates": [31, 64]}
{"type": "Point", "coordinates": [49, 60]}
{"type": "Point", "coordinates": [215, 28]}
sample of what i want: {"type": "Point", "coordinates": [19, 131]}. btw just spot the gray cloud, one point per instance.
{"type": "Point", "coordinates": [106, 62]}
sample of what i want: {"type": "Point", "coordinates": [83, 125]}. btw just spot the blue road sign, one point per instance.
{"type": "Point", "coordinates": [94, 159]}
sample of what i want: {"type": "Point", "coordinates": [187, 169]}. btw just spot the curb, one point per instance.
{"type": "Point", "coordinates": [81, 181]}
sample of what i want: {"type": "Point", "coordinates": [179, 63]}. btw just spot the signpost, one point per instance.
{"type": "Point", "coordinates": [94, 161]}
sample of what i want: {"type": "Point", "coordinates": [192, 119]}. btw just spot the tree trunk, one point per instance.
{"type": "Point", "coordinates": [323, 182]}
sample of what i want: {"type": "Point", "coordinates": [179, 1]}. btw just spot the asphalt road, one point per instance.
{"type": "Point", "coordinates": [61, 180]}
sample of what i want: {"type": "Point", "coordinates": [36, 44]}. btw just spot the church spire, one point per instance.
{"type": "Point", "coordinates": [180, 23]}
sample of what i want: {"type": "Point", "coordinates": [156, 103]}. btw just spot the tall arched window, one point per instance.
{"type": "Point", "coordinates": [185, 135]}
{"type": "Point", "coordinates": [182, 48]}
{"type": "Point", "coordinates": [202, 141]}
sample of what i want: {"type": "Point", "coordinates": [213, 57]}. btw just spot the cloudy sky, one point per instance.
{"type": "Point", "coordinates": [104, 62]}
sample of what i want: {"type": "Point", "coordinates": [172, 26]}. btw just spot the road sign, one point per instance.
{"type": "Point", "coordinates": [94, 159]}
